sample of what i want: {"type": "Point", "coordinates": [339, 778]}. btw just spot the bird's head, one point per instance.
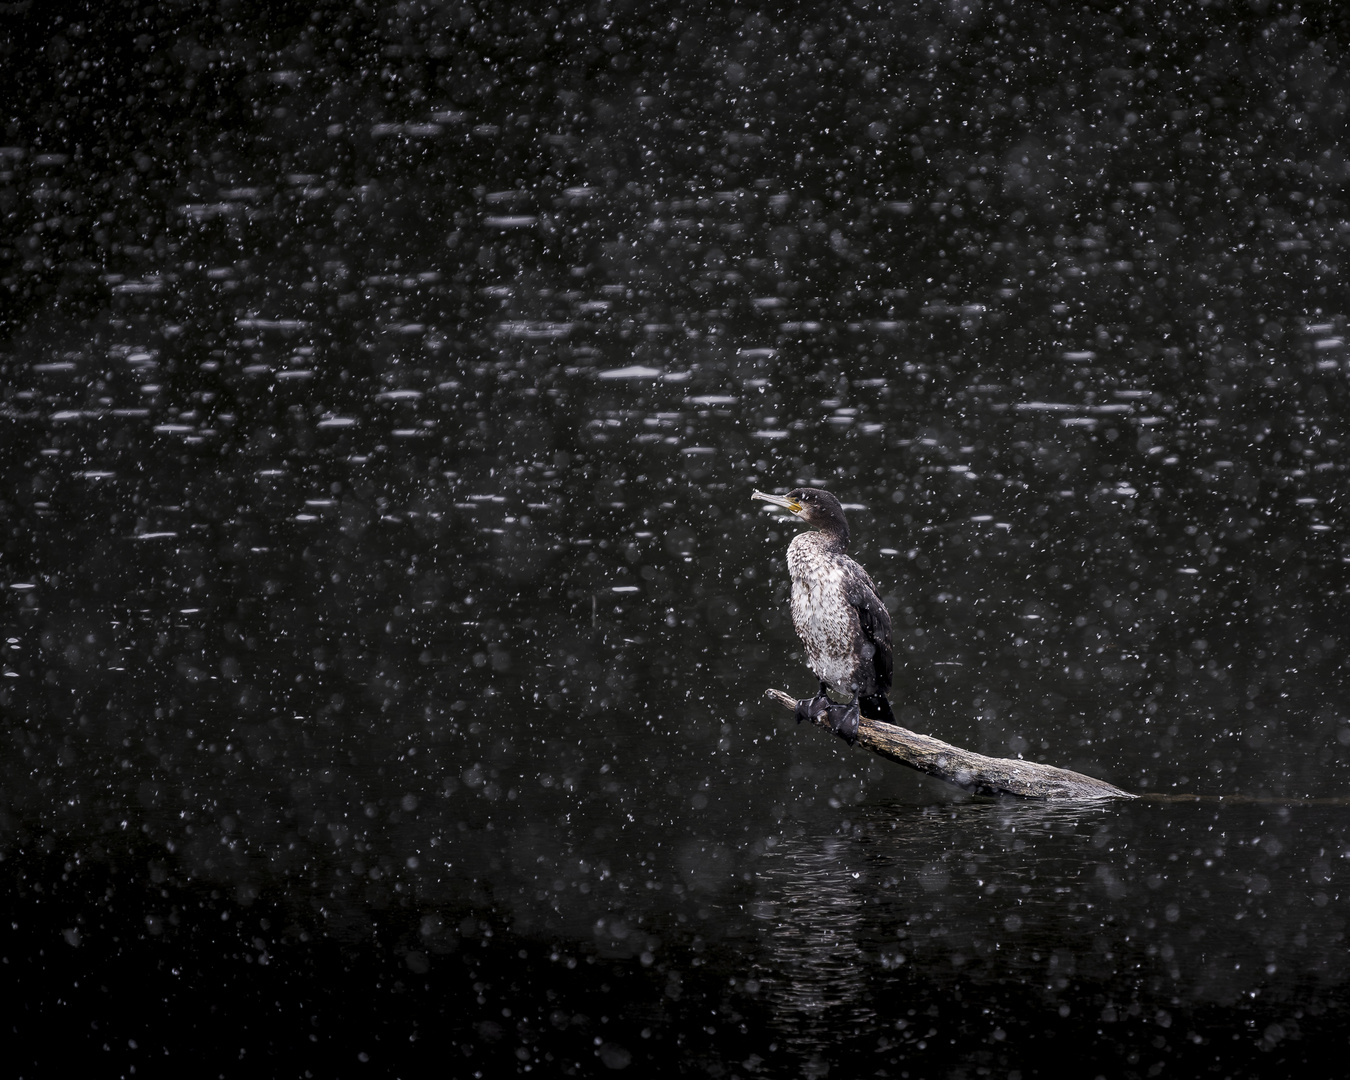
{"type": "Point", "coordinates": [817, 508]}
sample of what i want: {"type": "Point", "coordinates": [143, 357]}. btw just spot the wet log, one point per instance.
{"type": "Point", "coordinates": [970, 771]}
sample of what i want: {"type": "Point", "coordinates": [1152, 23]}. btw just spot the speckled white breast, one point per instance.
{"type": "Point", "coordinates": [825, 621]}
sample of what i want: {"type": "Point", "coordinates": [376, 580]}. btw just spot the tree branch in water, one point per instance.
{"type": "Point", "coordinates": [970, 771]}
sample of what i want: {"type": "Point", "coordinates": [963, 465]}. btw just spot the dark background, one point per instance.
{"type": "Point", "coordinates": [386, 618]}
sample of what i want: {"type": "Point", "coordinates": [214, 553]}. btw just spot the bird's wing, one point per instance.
{"type": "Point", "coordinates": [876, 625]}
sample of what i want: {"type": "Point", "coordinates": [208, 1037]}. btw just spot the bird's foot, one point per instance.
{"type": "Point", "coordinates": [810, 708]}
{"type": "Point", "coordinates": [844, 721]}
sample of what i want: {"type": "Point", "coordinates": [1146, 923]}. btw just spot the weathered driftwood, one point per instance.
{"type": "Point", "coordinates": [972, 772]}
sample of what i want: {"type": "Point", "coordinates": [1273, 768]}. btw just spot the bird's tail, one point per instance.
{"type": "Point", "coordinates": [877, 707]}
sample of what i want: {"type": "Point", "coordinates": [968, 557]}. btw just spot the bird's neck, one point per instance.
{"type": "Point", "coordinates": [833, 540]}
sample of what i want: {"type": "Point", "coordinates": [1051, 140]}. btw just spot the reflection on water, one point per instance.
{"type": "Point", "coordinates": [382, 597]}
{"type": "Point", "coordinates": [815, 972]}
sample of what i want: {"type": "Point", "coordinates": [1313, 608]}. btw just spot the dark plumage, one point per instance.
{"type": "Point", "coordinates": [838, 615]}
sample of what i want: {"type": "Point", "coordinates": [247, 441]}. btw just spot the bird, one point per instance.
{"type": "Point", "coordinates": [838, 614]}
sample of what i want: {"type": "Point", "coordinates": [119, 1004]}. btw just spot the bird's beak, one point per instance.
{"type": "Point", "coordinates": [778, 500]}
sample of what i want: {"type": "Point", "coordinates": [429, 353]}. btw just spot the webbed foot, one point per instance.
{"type": "Point", "coordinates": [844, 721]}
{"type": "Point", "coordinates": [810, 708]}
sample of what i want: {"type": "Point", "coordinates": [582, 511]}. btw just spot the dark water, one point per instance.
{"type": "Point", "coordinates": [386, 619]}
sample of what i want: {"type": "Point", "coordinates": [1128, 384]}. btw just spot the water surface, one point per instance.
{"type": "Point", "coordinates": [386, 619]}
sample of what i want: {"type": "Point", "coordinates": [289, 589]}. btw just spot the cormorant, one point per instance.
{"type": "Point", "coordinates": [838, 615]}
